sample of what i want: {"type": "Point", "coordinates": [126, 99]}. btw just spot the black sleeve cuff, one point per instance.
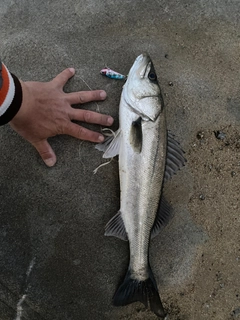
{"type": "Point", "coordinates": [15, 105]}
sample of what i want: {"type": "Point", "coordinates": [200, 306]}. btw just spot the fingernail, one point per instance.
{"type": "Point", "coordinates": [49, 162]}
{"type": "Point", "coordinates": [72, 70]}
{"type": "Point", "coordinates": [110, 120]}
{"type": "Point", "coordinates": [101, 138]}
{"type": "Point", "coordinates": [103, 95]}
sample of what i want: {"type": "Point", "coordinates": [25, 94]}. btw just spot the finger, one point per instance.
{"type": "Point", "coordinates": [62, 78]}
{"type": "Point", "coordinates": [86, 96]}
{"type": "Point", "coordinates": [46, 152]}
{"type": "Point", "coordinates": [82, 133]}
{"type": "Point", "coordinates": [91, 117]}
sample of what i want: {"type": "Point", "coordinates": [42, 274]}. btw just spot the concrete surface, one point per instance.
{"type": "Point", "coordinates": [55, 262]}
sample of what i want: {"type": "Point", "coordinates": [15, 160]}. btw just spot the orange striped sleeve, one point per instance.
{"type": "Point", "coordinates": [5, 85]}
{"type": "Point", "coordinates": [10, 95]}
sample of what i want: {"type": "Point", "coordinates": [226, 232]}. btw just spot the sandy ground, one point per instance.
{"type": "Point", "coordinates": [55, 263]}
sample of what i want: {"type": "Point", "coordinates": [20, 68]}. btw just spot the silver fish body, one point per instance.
{"type": "Point", "coordinates": [141, 177]}
{"type": "Point", "coordinates": [142, 145]}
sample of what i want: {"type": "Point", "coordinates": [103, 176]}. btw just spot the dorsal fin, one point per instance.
{"type": "Point", "coordinates": [164, 214]}
{"type": "Point", "coordinates": [175, 159]}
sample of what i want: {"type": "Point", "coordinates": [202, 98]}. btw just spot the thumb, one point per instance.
{"type": "Point", "coordinates": [46, 152]}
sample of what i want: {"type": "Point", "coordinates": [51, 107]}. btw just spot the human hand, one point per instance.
{"type": "Point", "coordinates": [46, 112]}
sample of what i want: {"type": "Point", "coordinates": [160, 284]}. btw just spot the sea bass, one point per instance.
{"type": "Point", "coordinates": [148, 156]}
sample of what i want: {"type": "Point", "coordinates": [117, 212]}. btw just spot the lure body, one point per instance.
{"type": "Point", "coordinates": [112, 74]}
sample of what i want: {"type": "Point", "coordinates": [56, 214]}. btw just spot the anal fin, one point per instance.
{"type": "Point", "coordinates": [115, 227]}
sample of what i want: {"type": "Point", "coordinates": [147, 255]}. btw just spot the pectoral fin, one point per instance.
{"type": "Point", "coordinates": [136, 135]}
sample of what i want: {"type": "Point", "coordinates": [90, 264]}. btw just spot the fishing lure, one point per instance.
{"type": "Point", "coordinates": [112, 74]}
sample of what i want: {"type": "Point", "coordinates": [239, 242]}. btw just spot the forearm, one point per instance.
{"type": "Point", "coordinates": [10, 95]}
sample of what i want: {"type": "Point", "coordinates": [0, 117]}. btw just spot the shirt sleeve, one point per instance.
{"type": "Point", "coordinates": [10, 95]}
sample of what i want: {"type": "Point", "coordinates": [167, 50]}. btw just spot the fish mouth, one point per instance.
{"type": "Point", "coordinates": [144, 56]}
{"type": "Point", "coordinates": [144, 59]}
{"type": "Point", "coordinates": [142, 64]}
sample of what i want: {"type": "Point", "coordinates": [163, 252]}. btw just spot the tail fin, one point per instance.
{"type": "Point", "coordinates": [132, 290]}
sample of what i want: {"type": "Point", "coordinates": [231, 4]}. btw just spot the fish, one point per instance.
{"type": "Point", "coordinates": [112, 74]}
{"type": "Point", "coordinates": [148, 155]}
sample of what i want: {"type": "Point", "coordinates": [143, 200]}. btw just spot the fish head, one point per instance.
{"type": "Point", "coordinates": [141, 90]}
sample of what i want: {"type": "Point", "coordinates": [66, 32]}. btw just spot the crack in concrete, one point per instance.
{"type": "Point", "coordinates": [24, 295]}
{"type": "Point", "coordinates": [19, 307]}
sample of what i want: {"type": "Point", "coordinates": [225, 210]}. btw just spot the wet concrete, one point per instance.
{"type": "Point", "coordinates": [55, 262]}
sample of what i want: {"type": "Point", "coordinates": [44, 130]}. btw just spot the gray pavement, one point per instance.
{"type": "Point", "coordinates": [55, 262]}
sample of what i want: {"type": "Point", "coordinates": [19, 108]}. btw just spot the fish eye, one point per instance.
{"type": "Point", "coordinates": [152, 76]}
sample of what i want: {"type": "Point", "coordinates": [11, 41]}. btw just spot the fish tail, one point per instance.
{"type": "Point", "coordinates": [132, 290]}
